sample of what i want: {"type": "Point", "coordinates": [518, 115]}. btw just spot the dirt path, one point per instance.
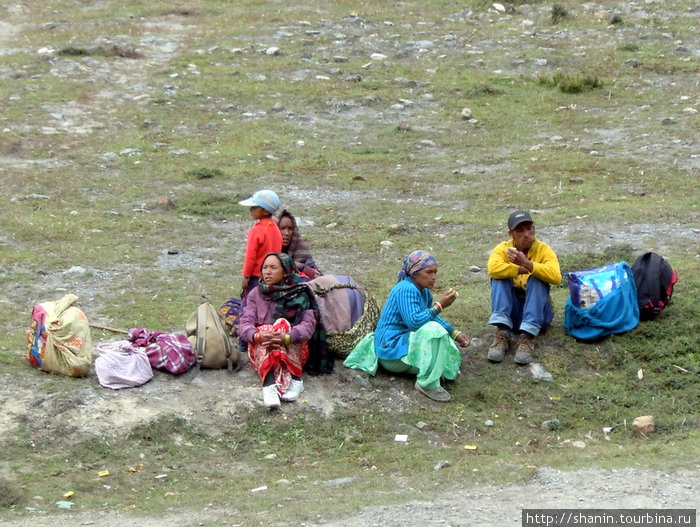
{"type": "Point", "coordinates": [489, 506]}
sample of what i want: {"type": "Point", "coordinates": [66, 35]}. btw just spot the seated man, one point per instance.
{"type": "Point", "coordinates": [521, 270]}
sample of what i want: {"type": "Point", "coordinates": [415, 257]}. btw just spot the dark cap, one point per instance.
{"type": "Point", "coordinates": [518, 217]}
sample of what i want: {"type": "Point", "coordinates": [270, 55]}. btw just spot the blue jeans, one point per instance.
{"type": "Point", "coordinates": [253, 282]}
{"type": "Point", "coordinates": [532, 313]}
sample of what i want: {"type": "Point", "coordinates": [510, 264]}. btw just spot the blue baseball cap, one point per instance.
{"type": "Point", "coordinates": [266, 199]}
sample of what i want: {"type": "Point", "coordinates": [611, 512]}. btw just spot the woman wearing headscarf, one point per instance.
{"type": "Point", "coordinates": [294, 246]}
{"type": "Point", "coordinates": [411, 336]}
{"type": "Point", "coordinates": [281, 324]}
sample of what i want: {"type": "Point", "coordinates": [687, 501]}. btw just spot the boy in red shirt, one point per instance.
{"type": "Point", "coordinates": [263, 238]}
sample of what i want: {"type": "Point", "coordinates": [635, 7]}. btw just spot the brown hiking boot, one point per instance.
{"type": "Point", "coordinates": [500, 346]}
{"type": "Point", "coordinates": [526, 347]}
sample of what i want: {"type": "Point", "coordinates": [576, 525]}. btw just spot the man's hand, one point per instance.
{"type": "Point", "coordinates": [520, 259]}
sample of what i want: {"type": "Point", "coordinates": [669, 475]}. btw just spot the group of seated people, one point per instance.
{"type": "Point", "coordinates": [282, 330]}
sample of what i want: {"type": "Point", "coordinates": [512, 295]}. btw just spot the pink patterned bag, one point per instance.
{"type": "Point", "coordinates": [171, 352]}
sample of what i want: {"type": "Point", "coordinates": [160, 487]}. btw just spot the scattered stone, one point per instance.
{"type": "Point", "coordinates": [643, 425]}
{"type": "Point", "coordinates": [130, 152]}
{"type": "Point", "coordinates": [340, 481]}
{"type": "Point", "coordinates": [332, 225]}
{"type": "Point", "coordinates": [632, 62]}
{"type": "Point", "coordinates": [386, 243]}
{"type": "Point", "coordinates": [466, 113]}
{"type": "Point", "coordinates": [552, 424]}
{"type": "Point", "coordinates": [272, 51]}
{"type": "Point", "coordinates": [616, 19]}
{"type": "Point", "coordinates": [441, 464]}
{"type": "Point", "coordinates": [164, 203]}
{"type": "Point", "coordinates": [29, 196]}
{"type": "Point", "coordinates": [475, 268]}
{"type": "Point", "coordinates": [76, 269]}
{"type": "Point", "coordinates": [420, 425]}
{"type": "Point", "coordinates": [173, 251]}
{"type": "Point", "coordinates": [178, 152]}
{"type": "Point", "coordinates": [339, 58]}
{"type": "Point", "coordinates": [161, 477]}
{"type": "Point", "coordinates": [578, 444]}
{"type": "Point", "coordinates": [378, 56]}
{"type": "Point", "coordinates": [363, 382]}
{"type": "Point", "coordinates": [539, 373]}
{"type": "Point", "coordinates": [488, 422]}
{"type": "Point", "coordinates": [271, 456]}
{"type": "Point", "coordinates": [668, 120]}
{"type": "Point", "coordinates": [499, 7]}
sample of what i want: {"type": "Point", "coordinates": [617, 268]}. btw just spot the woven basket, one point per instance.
{"type": "Point", "coordinates": [341, 343]}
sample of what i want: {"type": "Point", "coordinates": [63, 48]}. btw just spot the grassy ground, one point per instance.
{"type": "Point", "coordinates": [138, 101]}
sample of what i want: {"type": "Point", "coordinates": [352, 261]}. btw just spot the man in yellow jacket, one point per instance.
{"type": "Point", "coordinates": [522, 270]}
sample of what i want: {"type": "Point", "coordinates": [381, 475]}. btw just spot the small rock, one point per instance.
{"type": "Point", "coordinates": [475, 268]}
{"type": "Point", "coordinates": [441, 464]}
{"type": "Point", "coordinates": [76, 269]}
{"type": "Point", "coordinates": [378, 56]}
{"type": "Point", "coordinates": [272, 50]}
{"type": "Point", "coordinates": [539, 373]}
{"type": "Point", "coordinates": [668, 120]}
{"type": "Point", "coordinates": [332, 225]}
{"type": "Point", "coordinates": [578, 444]}
{"type": "Point", "coordinates": [466, 113]}
{"type": "Point", "coordinates": [340, 481]}
{"type": "Point", "coordinates": [488, 422]}
{"type": "Point", "coordinates": [386, 243]}
{"type": "Point", "coordinates": [499, 7]}
{"type": "Point", "coordinates": [271, 456]}
{"type": "Point", "coordinates": [340, 59]}
{"type": "Point", "coordinates": [643, 425]}
{"type": "Point", "coordinates": [552, 424]}
{"type": "Point", "coordinates": [173, 251]}
{"type": "Point", "coordinates": [420, 425]}
{"type": "Point", "coordinates": [165, 203]}
{"type": "Point", "coordinates": [362, 381]}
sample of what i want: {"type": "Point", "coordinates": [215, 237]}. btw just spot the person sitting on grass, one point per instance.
{"type": "Point", "coordinates": [282, 325]}
{"type": "Point", "coordinates": [521, 271]}
{"type": "Point", "coordinates": [294, 246]}
{"type": "Point", "coordinates": [411, 336]}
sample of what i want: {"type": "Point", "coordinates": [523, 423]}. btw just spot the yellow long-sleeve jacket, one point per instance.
{"type": "Point", "coordinates": [545, 264]}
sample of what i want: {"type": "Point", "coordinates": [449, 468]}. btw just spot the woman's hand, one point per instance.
{"type": "Point", "coordinates": [463, 340]}
{"type": "Point", "coordinates": [269, 337]}
{"type": "Point", "coordinates": [448, 298]}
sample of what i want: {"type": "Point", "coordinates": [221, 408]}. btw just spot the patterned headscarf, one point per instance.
{"type": "Point", "coordinates": [414, 262]}
{"type": "Point", "coordinates": [292, 298]}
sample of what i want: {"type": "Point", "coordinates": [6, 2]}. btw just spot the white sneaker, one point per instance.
{"type": "Point", "coordinates": [271, 397]}
{"type": "Point", "coordinates": [294, 390]}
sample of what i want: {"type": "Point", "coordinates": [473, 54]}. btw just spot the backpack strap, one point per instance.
{"type": "Point", "coordinates": [200, 341]}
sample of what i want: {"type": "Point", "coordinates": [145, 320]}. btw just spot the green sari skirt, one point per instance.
{"type": "Point", "coordinates": [432, 355]}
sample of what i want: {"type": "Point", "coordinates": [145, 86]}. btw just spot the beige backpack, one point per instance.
{"type": "Point", "coordinates": [212, 344]}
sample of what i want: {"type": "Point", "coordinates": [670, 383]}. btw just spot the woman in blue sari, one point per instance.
{"type": "Point", "coordinates": [411, 336]}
